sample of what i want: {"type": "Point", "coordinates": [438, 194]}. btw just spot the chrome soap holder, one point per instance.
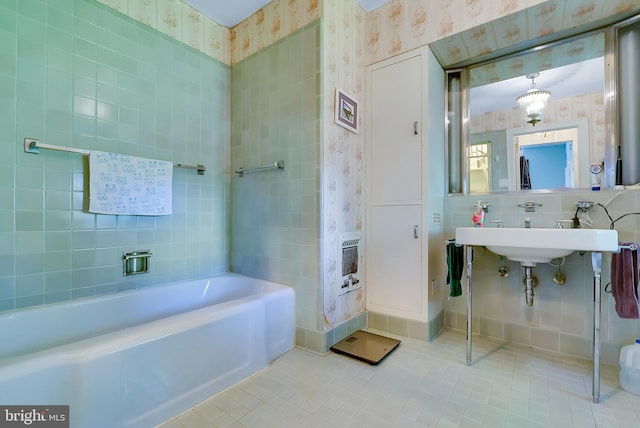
{"type": "Point", "coordinates": [530, 206]}
{"type": "Point", "coordinates": [135, 262]}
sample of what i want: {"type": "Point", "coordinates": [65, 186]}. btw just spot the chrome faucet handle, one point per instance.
{"type": "Point", "coordinates": [482, 205]}
{"type": "Point", "coordinates": [498, 223]}
{"type": "Point", "coordinates": [559, 223]}
{"type": "Point", "coordinates": [527, 222]}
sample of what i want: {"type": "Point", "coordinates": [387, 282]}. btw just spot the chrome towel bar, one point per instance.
{"type": "Point", "coordinates": [632, 247]}
{"type": "Point", "coordinates": [242, 171]}
{"type": "Point", "coordinates": [32, 145]}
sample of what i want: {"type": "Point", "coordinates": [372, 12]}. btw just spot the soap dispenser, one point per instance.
{"type": "Point", "coordinates": [477, 219]}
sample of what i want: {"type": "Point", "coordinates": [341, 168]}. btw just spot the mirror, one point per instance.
{"type": "Point", "coordinates": [504, 152]}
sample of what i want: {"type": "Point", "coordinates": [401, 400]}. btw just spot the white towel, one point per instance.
{"type": "Point", "coordinates": [129, 185]}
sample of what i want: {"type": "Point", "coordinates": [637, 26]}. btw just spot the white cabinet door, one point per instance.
{"type": "Point", "coordinates": [394, 260]}
{"type": "Point", "coordinates": [396, 128]}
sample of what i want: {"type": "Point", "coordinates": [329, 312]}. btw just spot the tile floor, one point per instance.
{"type": "Point", "coordinates": [422, 385]}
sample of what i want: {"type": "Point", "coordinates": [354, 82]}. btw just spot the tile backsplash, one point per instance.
{"type": "Point", "coordinates": [78, 74]}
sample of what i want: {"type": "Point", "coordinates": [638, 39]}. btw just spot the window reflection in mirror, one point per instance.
{"type": "Point", "coordinates": [574, 72]}
{"type": "Point", "coordinates": [479, 156]}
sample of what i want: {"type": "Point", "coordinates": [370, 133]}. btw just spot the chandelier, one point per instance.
{"type": "Point", "coordinates": [533, 102]}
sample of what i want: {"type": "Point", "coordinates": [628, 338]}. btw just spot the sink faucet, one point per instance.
{"type": "Point", "coordinates": [527, 222]}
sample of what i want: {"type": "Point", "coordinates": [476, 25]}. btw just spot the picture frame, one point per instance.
{"type": "Point", "coordinates": [346, 111]}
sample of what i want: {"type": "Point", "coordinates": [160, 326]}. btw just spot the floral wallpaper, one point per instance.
{"type": "Point", "coordinates": [343, 204]}
{"type": "Point", "coordinates": [402, 25]}
{"type": "Point", "coordinates": [181, 22]}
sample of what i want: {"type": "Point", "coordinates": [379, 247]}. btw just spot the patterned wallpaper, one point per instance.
{"type": "Point", "coordinates": [343, 151]}
{"type": "Point", "coordinates": [406, 24]}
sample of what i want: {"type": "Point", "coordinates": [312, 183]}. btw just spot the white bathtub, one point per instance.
{"type": "Point", "coordinates": [136, 359]}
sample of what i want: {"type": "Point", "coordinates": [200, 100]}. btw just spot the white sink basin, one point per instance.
{"type": "Point", "coordinates": [537, 245]}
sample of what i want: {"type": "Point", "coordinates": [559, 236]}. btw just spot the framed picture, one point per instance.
{"type": "Point", "coordinates": [346, 111]}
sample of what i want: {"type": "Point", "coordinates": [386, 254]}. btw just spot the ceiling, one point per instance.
{"type": "Point", "coordinates": [231, 12]}
{"type": "Point", "coordinates": [581, 78]}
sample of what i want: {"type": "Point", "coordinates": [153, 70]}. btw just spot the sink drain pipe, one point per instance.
{"type": "Point", "coordinates": [529, 281]}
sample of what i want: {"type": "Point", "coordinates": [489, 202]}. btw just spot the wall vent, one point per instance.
{"type": "Point", "coordinates": [349, 262]}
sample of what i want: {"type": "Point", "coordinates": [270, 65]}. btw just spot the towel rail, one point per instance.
{"type": "Point", "coordinates": [452, 241]}
{"type": "Point", "coordinates": [632, 247]}
{"type": "Point", "coordinates": [273, 165]}
{"type": "Point", "coordinates": [32, 145]}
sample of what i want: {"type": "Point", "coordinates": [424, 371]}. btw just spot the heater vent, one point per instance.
{"type": "Point", "coordinates": [350, 242]}
{"type": "Point", "coordinates": [349, 259]}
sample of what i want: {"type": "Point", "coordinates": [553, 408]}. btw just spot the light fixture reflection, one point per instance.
{"type": "Point", "coordinates": [533, 102]}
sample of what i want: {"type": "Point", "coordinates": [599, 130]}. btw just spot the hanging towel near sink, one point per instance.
{"type": "Point", "coordinates": [455, 263]}
{"type": "Point", "coordinates": [129, 185]}
{"type": "Point", "coordinates": [624, 281]}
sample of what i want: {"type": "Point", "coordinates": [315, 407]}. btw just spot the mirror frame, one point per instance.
{"type": "Point", "coordinates": [609, 106]}
{"type": "Point", "coordinates": [461, 71]}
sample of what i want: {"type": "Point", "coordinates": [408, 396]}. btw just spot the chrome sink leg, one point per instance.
{"type": "Point", "coordinates": [469, 264]}
{"type": "Point", "coordinates": [596, 262]}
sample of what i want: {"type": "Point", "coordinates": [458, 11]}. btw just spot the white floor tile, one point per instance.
{"type": "Point", "coordinates": [421, 385]}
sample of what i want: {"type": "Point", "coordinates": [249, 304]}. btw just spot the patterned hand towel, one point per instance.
{"type": "Point", "coordinates": [129, 185]}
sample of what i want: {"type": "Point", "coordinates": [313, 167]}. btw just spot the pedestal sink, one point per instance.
{"type": "Point", "coordinates": [539, 245]}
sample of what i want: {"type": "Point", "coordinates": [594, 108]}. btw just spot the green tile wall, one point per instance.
{"type": "Point", "coordinates": [276, 114]}
{"type": "Point", "coordinates": [76, 73]}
